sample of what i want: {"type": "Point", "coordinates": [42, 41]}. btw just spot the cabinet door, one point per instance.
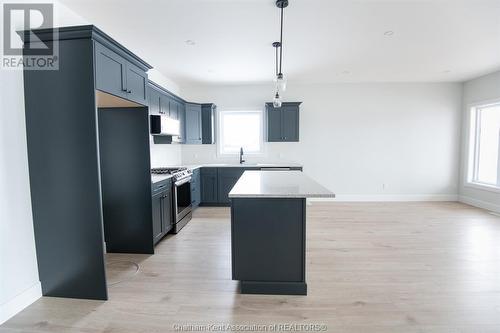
{"type": "Point", "coordinates": [137, 81]}
{"type": "Point", "coordinates": [274, 125]}
{"type": "Point", "coordinates": [290, 123]}
{"type": "Point", "coordinates": [182, 122]}
{"type": "Point", "coordinates": [193, 123]}
{"type": "Point", "coordinates": [195, 188]}
{"type": "Point", "coordinates": [209, 188]}
{"type": "Point", "coordinates": [154, 101]}
{"type": "Point", "coordinates": [110, 71]}
{"type": "Point", "coordinates": [166, 221]}
{"type": "Point", "coordinates": [207, 123]}
{"type": "Point", "coordinates": [164, 104]}
{"type": "Point", "coordinates": [227, 177]}
{"type": "Point", "coordinates": [174, 109]}
{"type": "Point", "coordinates": [157, 216]}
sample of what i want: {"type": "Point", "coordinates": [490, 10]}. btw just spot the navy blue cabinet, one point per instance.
{"type": "Point", "coordinates": [174, 109]}
{"type": "Point", "coordinates": [119, 77]}
{"type": "Point", "coordinates": [157, 216]}
{"type": "Point", "coordinates": [207, 123]}
{"type": "Point", "coordinates": [283, 122]}
{"type": "Point", "coordinates": [137, 82]}
{"type": "Point", "coordinates": [162, 209]}
{"type": "Point", "coordinates": [193, 123]}
{"type": "Point", "coordinates": [209, 192]}
{"type": "Point", "coordinates": [196, 188]}
{"type": "Point", "coordinates": [216, 183]}
{"type": "Point", "coordinates": [161, 101]}
{"type": "Point", "coordinates": [154, 100]}
{"type": "Point", "coordinates": [182, 121]}
{"type": "Point", "coordinates": [226, 178]}
{"type": "Point", "coordinates": [111, 71]}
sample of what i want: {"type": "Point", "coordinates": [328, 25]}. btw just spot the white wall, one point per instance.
{"type": "Point", "coordinates": [19, 283]}
{"type": "Point", "coordinates": [479, 90]}
{"type": "Point", "coordinates": [363, 141]}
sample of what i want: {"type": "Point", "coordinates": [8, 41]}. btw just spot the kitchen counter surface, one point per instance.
{"type": "Point", "coordinates": [244, 165]}
{"type": "Point", "coordinates": [156, 178]}
{"type": "Point", "coordinates": [278, 184]}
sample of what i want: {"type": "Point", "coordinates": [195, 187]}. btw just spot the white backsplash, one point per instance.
{"type": "Point", "coordinates": [163, 155]}
{"type": "Point", "coordinates": [273, 153]}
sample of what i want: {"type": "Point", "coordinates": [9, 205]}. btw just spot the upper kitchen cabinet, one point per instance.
{"type": "Point", "coordinates": [193, 124]}
{"type": "Point", "coordinates": [174, 109]}
{"type": "Point", "coordinates": [283, 122]}
{"type": "Point", "coordinates": [182, 121]}
{"type": "Point", "coordinates": [154, 99]}
{"type": "Point", "coordinates": [136, 84]}
{"type": "Point", "coordinates": [117, 75]}
{"type": "Point", "coordinates": [207, 123]}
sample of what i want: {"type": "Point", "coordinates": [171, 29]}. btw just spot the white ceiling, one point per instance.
{"type": "Point", "coordinates": [324, 40]}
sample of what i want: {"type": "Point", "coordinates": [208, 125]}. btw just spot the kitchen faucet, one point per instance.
{"type": "Point", "coordinates": [241, 156]}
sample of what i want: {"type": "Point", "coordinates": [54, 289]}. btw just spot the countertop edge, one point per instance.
{"type": "Point", "coordinates": [282, 196]}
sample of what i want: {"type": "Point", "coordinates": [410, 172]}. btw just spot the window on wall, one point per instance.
{"type": "Point", "coordinates": [484, 165]}
{"type": "Point", "coordinates": [240, 129]}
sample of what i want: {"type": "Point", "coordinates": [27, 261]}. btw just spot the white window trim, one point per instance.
{"type": "Point", "coordinates": [218, 132]}
{"type": "Point", "coordinates": [472, 138]}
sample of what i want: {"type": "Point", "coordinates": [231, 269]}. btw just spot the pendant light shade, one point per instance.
{"type": "Point", "coordinates": [277, 100]}
{"type": "Point", "coordinates": [280, 82]}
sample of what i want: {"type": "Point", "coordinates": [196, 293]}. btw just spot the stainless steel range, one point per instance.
{"type": "Point", "coordinates": [181, 189]}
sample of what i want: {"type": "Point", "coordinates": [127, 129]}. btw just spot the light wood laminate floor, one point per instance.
{"type": "Point", "coordinates": [371, 267]}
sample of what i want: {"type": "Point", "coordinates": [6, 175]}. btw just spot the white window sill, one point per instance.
{"type": "Point", "coordinates": [484, 187]}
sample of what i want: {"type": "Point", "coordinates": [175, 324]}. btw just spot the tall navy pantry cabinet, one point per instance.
{"type": "Point", "coordinates": [65, 161]}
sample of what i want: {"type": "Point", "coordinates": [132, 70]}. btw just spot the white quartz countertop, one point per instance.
{"type": "Point", "coordinates": [156, 178]}
{"type": "Point", "coordinates": [244, 165]}
{"type": "Point", "coordinates": [278, 184]}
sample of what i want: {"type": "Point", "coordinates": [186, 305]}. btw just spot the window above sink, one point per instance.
{"type": "Point", "coordinates": [240, 129]}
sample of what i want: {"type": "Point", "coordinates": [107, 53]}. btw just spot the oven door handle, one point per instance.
{"type": "Point", "coordinates": [182, 181]}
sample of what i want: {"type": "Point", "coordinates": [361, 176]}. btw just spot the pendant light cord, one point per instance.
{"type": "Point", "coordinates": [276, 61]}
{"type": "Point", "coordinates": [281, 42]}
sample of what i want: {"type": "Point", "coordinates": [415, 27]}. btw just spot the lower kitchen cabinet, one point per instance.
{"type": "Point", "coordinates": [162, 209]}
{"type": "Point", "coordinates": [216, 183]}
{"type": "Point", "coordinates": [208, 177]}
{"type": "Point", "coordinates": [226, 178]}
{"type": "Point", "coordinates": [195, 188]}
{"type": "Point", "coordinates": [157, 216]}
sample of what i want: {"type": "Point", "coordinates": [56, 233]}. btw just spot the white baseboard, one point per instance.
{"type": "Point", "coordinates": [388, 198]}
{"type": "Point", "coordinates": [479, 203]}
{"type": "Point", "coordinates": [19, 302]}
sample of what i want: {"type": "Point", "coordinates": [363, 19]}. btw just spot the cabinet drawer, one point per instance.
{"type": "Point", "coordinates": [209, 171]}
{"type": "Point", "coordinates": [164, 185]}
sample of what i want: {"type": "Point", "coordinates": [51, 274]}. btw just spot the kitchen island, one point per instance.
{"type": "Point", "coordinates": [268, 230]}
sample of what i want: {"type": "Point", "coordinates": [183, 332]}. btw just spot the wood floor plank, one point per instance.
{"type": "Point", "coordinates": [371, 267]}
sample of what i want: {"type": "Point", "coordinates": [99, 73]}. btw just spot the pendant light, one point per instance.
{"type": "Point", "coordinates": [279, 78]}
{"type": "Point", "coordinates": [277, 100]}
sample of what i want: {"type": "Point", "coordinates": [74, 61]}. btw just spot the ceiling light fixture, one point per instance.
{"type": "Point", "coordinates": [279, 78]}
{"type": "Point", "coordinates": [190, 42]}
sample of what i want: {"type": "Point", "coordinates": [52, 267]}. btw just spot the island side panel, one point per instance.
{"type": "Point", "coordinates": [268, 245]}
